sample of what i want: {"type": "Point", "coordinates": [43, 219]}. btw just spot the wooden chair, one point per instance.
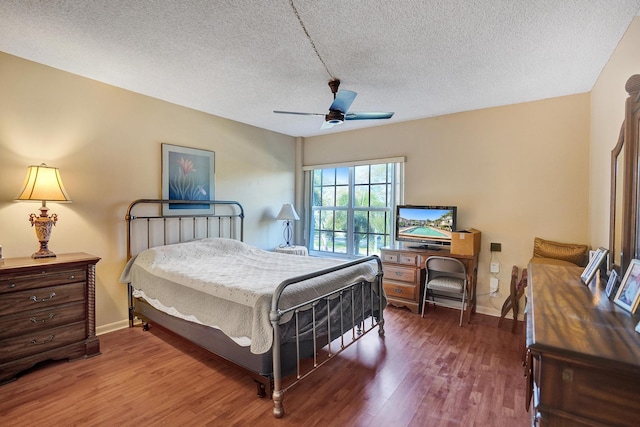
{"type": "Point", "coordinates": [515, 293]}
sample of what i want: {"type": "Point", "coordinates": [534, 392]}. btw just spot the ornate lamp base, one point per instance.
{"type": "Point", "coordinates": [43, 225]}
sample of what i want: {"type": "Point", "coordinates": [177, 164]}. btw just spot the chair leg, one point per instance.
{"type": "Point", "coordinates": [424, 300]}
{"type": "Point", "coordinates": [464, 294]}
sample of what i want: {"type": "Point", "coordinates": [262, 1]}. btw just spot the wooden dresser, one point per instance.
{"type": "Point", "coordinates": [583, 355]}
{"type": "Point", "coordinates": [47, 311]}
{"type": "Point", "coordinates": [404, 275]}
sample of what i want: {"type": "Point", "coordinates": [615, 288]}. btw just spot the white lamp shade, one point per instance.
{"type": "Point", "coordinates": [43, 183]}
{"type": "Point", "coordinates": [288, 213]}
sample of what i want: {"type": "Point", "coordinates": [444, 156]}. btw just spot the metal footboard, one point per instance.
{"type": "Point", "coordinates": [358, 323]}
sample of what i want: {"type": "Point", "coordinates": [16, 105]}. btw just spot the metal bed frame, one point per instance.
{"type": "Point", "coordinates": [267, 369]}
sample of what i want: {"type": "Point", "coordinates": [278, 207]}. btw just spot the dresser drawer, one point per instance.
{"type": "Point", "coordinates": [15, 302]}
{"type": "Point", "coordinates": [39, 320]}
{"type": "Point", "coordinates": [38, 342]}
{"type": "Point", "coordinates": [20, 281]}
{"type": "Point", "coordinates": [390, 257]}
{"type": "Point", "coordinates": [402, 274]}
{"type": "Point", "coordinates": [399, 290]}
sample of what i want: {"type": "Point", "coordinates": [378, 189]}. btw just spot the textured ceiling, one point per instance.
{"type": "Point", "coordinates": [242, 59]}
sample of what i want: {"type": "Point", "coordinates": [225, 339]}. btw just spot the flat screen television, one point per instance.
{"type": "Point", "coordinates": [426, 226]}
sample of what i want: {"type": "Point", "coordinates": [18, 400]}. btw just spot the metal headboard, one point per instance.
{"type": "Point", "coordinates": [150, 225]}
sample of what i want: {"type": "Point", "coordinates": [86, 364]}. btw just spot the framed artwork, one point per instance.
{"type": "Point", "coordinates": [628, 294]}
{"type": "Point", "coordinates": [187, 174]}
{"type": "Point", "coordinates": [594, 264]}
{"type": "Point", "coordinates": [612, 284]}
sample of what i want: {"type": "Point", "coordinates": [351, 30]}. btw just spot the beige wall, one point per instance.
{"type": "Point", "coordinates": [106, 142]}
{"type": "Point", "coordinates": [607, 113]}
{"type": "Point", "coordinates": [514, 172]}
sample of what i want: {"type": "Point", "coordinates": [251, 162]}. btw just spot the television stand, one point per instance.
{"type": "Point", "coordinates": [404, 275]}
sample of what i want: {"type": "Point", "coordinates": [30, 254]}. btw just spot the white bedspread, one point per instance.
{"type": "Point", "coordinates": [228, 284]}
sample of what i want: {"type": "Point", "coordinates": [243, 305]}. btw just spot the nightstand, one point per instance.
{"type": "Point", "coordinates": [47, 311]}
{"type": "Point", "coordinates": [292, 250]}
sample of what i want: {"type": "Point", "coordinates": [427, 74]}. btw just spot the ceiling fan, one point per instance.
{"type": "Point", "coordinates": [339, 109]}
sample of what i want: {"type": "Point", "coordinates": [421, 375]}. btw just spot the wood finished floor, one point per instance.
{"type": "Point", "coordinates": [426, 372]}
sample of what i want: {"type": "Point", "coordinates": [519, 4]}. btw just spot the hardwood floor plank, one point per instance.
{"type": "Point", "coordinates": [425, 372]}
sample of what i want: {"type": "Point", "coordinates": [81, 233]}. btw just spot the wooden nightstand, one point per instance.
{"type": "Point", "coordinates": [47, 311]}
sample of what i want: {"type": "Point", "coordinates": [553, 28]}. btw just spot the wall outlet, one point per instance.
{"type": "Point", "coordinates": [495, 267]}
{"type": "Point", "coordinates": [493, 285]}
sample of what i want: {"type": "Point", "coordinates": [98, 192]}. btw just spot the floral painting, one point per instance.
{"type": "Point", "coordinates": [187, 174]}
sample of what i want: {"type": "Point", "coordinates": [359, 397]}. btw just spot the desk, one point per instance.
{"type": "Point", "coordinates": [292, 250]}
{"type": "Point", "coordinates": [404, 274]}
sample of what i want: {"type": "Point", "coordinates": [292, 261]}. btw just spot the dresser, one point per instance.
{"type": "Point", "coordinates": [404, 274]}
{"type": "Point", "coordinates": [583, 355]}
{"type": "Point", "coordinates": [47, 311]}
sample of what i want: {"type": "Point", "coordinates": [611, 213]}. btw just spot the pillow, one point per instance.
{"type": "Point", "coordinates": [575, 254]}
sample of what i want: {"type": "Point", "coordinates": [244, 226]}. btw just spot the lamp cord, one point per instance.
{"type": "Point", "coordinates": [293, 6]}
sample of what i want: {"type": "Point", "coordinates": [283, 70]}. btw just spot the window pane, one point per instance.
{"type": "Point", "coordinates": [340, 243]}
{"type": "Point", "coordinates": [341, 221]}
{"type": "Point", "coordinates": [328, 196]}
{"type": "Point", "coordinates": [326, 220]}
{"type": "Point", "coordinates": [361, 174]}
{"type": "Point", "coordinates": [342, 176]}
{"type": "Point", "coordinates": [379, 174]}
{"type": "Point", "coordinates": [342, 195]}
{"type": "Point", "coordinates": [328, 176]}
{"type": "Point", "coordinates": [317, 177]}
{"type": "Point", "coordinates": [379, 195]}
{"type": "Point", "coordinates": [378, 222]}
{"type": "Point", "coordinates": [361, 196]}
{"type": "Point", "coordinates": [317, 198]}
{"type": "Point", "coordinates": [326, 241]}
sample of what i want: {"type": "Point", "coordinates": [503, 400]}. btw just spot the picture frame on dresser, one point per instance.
{"type": "Point", "coordinates": [612, 284]}
{"type": "Point", "coordinates": [594, 264]}
{"type": "Point", "coordinates": [628, 295]}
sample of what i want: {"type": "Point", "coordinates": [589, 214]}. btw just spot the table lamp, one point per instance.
{"type": "Point", "coordinates": [288, 214]}
{"type": "Point", "coordinates": [43, 183]}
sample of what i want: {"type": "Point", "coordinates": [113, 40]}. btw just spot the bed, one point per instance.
{"type": "Point", "coordinates": [274, 315]}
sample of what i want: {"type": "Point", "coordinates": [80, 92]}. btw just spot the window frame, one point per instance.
{"type": "Point", "coordinates": [395, 196]}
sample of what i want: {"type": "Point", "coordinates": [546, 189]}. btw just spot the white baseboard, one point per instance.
{"type": "Point", "coordinates": [111, 327]}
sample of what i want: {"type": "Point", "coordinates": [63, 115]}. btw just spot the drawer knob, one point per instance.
{"type": "Point", "coordinates": [35, 320]}
{"type": "Point", "coordinates": [398, 274]}
{"type": "Point", "coordinates": [12, 285]}
{"type": "Point", "coordinates": [398, 290]}
{"type": "Point", "coordinates": [72, 277]}
{"type": "Point", "coordinates": [34, 341]}
{"type": "Point", "coordinates": [35, 298]}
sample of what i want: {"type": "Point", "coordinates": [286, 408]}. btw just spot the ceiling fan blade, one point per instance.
{"type": "Point", "coordinates": [367, 115]}
{"type": "Point", "coordinates": [298, 113]}
{"type": "Point", "coordinates": [343, 101]}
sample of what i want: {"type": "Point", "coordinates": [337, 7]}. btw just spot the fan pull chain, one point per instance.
{"type": "Point", "coordinates": [293, 6]}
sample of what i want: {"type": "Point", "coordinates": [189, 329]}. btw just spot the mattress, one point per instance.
{"type": "Point", "coordinates": [227, 284]}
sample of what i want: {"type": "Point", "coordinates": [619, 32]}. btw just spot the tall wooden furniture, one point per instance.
{"type": "Point", "coordinates": [404, 275]}
{"type": "Point", "coordinates": [47, 311]}
{"type": "Point", "coordinates": [583, 358]}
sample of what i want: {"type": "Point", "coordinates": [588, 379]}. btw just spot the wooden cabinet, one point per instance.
{"type": "Point", "coordinates": [404, 275]}
{"type": "Point", "coordinates": [47, 311]}
{"type": "Point", "coordinates": [583, 361]}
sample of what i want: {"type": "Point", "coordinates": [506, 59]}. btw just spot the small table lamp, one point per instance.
{"type": "Point", "coordinates": [43, 183]}
{"type": "Point", "coordinates": [288, 214]}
